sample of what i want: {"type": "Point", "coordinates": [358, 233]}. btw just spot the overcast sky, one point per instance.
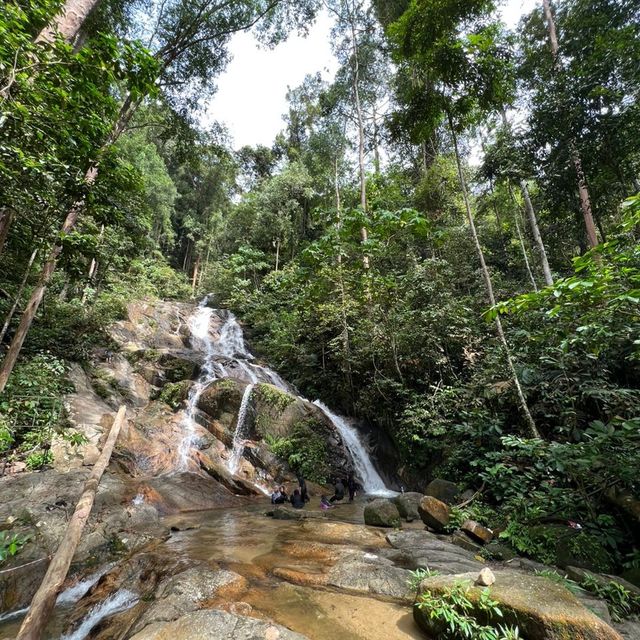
{"type": "Point", "coordinates": [251, 95]}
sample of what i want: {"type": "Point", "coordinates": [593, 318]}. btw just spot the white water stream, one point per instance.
{"type": "Point", "coordinates": [371, 480]}
{"type": "Point", "coordinates": [230, 347]}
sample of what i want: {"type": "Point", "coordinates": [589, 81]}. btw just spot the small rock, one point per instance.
{"type": "Point", "coordinates": [486, 578]}
{"type": "Point", "coordinates": [382, 513]}
{"type": "Point", "coordinates": [464, 542]}
{"type": "Point", "coordinates": [477, 531]}
{"type": "Point", "coordinates": [443, 490]}
{"type": "Point", "coordinates": [434, 513]}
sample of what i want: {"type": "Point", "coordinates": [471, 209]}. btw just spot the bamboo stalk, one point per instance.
{"type": "Point", "coordinates": [45, 598]}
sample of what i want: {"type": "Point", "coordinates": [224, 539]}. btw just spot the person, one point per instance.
{"type": "Point", "coordinates": [279, 496]}
{"type": "Point", "coordinates": [352, 486]}
{"type": "Point", "coordinates": [297, 501]}
{"type": "Point", "coordinates": [339, 492]}
{"type": "Point", "coordinates": [303, 488]}
{"type": "Point", "coordinates": [325, 504]}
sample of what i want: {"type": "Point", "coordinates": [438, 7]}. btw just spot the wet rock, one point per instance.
{"type": "Point", "coordinates": [486, 578]}
{"type": "Point", "coordinates": [186, 591]}
{"type": "Point", "coordinates": [477, 532]}
{"type": "Point", "coordinates": [382, 513]}
{"type": "Point", "coordinates": [178, 366]}
{"type": "Point", "coordinates": [423, 550]}
{"type": "Point", "coordinates": [289, 513]}
{"type": "Point", "coordinates": [629, 629]}
{"type": "Point", "coordinates": [443, 490]}
{"type": "Point", "coordinates": [216, 625]}
{"type": "Point", "coordinates": [434, 513]}
{"type": "Point", "coordinates": [370, 574]}
{"type": "Point", "coordinates": [542, 609]}
{"type": "Point", "coordinates": [407, 504]}
{"type": "Point", "coordinates": [499, 551]}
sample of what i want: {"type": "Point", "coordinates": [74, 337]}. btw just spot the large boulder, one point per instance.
{"type": "Point", "coordinates": [539, 607]}
{"type": "Point", "coordinates": [382, 513]}
{"type": "Point", "coordinates": [443, 490]}
{"type": "Point", "coordinates": [417, 549]}
{"type": "Point", "coordinates": [216, 625]}
{"type": "Point", "coordinates": [434, 513]}
{"type": "Point", "coordinates": [407, 504]}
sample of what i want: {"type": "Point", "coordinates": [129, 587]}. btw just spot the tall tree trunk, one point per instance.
{"type": "Point", "coordinates": [49, 267]}
{"type": "Point", "coordinates": [376, 142]}
{"type": "Point", "coordinates": [523, 247]}
{"type": "Point", "coordinates": [16, 302]}
{"type": "Point", "coordinates": [583, 189]}
{"type": "Point", "coordinates": [535, 230]}
{"type": "Point", "coordinates": [531, 425]}
{"type": "Point", "coordinates": [69, 21]}
{"type": "Point", "coordinates": [6, 218]}
{"type": "Point", "coordinates": [364, 234]}
{"type": "Point", "coordinates": [196, 271]}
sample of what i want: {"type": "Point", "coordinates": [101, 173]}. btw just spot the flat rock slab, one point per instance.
{"type": "Point", "coordinates": [421, 549]}
{"type": "Point", "coordinates": [216, 625]}
{"type": "Point", "coordinates": [542, 609]}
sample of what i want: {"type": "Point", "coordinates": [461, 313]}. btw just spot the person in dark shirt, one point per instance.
{"type": "Point", "coordinates": [339, 492]}
{"type": "Point", "coordinates": [352, 486]}
{"type": "Point", "coordinates": [303, 488]}
{"type": "Point", "coordinates": [297, 501]}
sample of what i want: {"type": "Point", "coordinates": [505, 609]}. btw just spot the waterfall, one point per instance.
{"type": "Point", "coordinates": [239, 436]}
{"type": "Point", "coordinates": [230, 347]}
{"type": "Point", "coordinates": [119, 601]}
{"type": "Point", "coordinates": [199, 326]}
{"type": "Point", "coordinates": [372, 482]}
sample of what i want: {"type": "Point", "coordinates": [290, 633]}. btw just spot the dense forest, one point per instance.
{"type": "Point", "coordinates": [443, 240]}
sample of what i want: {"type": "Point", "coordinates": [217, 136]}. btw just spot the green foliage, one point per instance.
{"type": "Point", "coordinates": [304, 450]}
{"type": "Point", "coordinates": [11, 544]}
{"type": "Point", "coordinates": [174, 393]}
{"type": "Point", "coordinates": [455, 616]}
{"type": "Point", "coordinates": [622, 603]}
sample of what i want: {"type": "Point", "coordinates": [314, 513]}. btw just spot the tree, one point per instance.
{"type": "Point", "coordinates": [462, 74]}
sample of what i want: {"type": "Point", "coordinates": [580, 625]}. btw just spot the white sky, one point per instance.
{"type": "Point", "coordinates": [251, 97]}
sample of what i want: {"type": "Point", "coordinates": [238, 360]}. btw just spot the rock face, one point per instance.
{"type": "Point", "coordinates": [382, 513]}
{"type": "Point", "coordinates": [423, 550]}
{"type": "Point", "coordinates": [407, 504]}
{"type": "Point", "coordinates": [434, 513]}
{"type": "Point", "coordinates": [216, 625]}
{"type": "Point", "coordinates": [542, 609]}
{"type": "Point", "coordinates": [443, 490]}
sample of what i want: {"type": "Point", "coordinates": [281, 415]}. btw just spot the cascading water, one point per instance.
{"type": "Point", "coordinates": [372, 482]}
{"type": "Point", "coordinates": [199, 324]}
{"type": "Point", "coordinates": [239, 436]}
{"type": "Point", "coordinates": [119, 601]}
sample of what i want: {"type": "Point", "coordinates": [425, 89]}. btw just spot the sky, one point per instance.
{"type": "Point", "coordinates": [251, 96]}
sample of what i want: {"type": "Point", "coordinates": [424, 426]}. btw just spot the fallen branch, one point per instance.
{"type": "Point", "coordinates": [478, 493]}
{"type": "Point", "coordinates": [45, 598]}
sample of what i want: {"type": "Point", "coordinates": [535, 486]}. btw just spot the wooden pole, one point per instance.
{"type": "Point", "coordinates": [45, 598]}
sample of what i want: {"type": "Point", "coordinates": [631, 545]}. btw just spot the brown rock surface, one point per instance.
{"type": "Point", "coordinates": [434, 513]}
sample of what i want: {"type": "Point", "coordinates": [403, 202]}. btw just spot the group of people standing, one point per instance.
{"type": "Point", "coordinates": [300, 496]}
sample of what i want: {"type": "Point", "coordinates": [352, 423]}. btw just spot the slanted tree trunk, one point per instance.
{"type": "Point", "coordinates": [49, 267]}
{"type": "Point", "coordinates": [16, 302]}
{"type": "Point", "coordinates": [69, 21]}
{"type": "Point", "coordinates": [535, 230]}
{"type": "Point", "coordinates": [196, 270]}
{"type": "Point", "coordinates": [531, 425]}
{"type": "Point", "coordinates": [583, 189]}
{"type": "Point", "coordinates": [45, 598]}
{"type": "Point", "coordinates": [523, 247]}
